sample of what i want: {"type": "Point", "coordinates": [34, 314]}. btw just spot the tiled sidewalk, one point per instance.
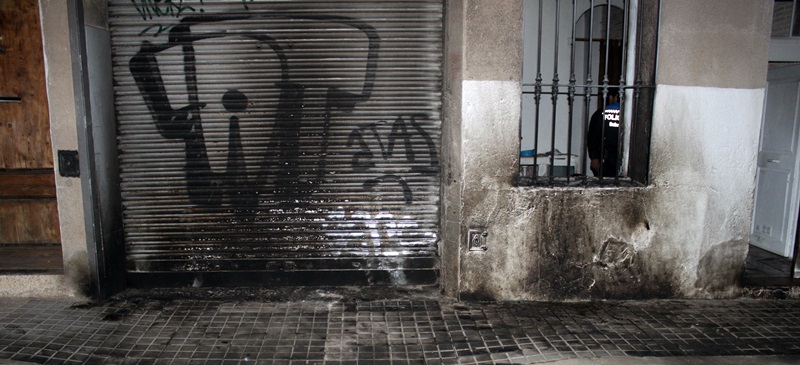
{"type": "Point", "coordinates": [424, 331]}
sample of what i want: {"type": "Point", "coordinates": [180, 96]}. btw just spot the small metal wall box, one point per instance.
{"type": "Point", "coordinates": [68, 163]}
{"type": "Point", "coordinates": [477, 239]}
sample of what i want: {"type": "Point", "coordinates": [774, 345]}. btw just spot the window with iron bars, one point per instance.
{"type": "Point", "coordinates": [576, 55]}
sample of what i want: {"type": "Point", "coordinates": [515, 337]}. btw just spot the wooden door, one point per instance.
{"type": "Point", "coordinates": [29, 231]}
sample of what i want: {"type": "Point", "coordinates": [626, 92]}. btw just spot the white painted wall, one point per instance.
{"type": "Point", "coordinates": [688, 231]}
{"type": "Point", "coordinates": [704, 149]}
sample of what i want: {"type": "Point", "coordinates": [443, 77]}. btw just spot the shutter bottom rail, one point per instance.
{"type": "Point", "coordinates": [264, 279]}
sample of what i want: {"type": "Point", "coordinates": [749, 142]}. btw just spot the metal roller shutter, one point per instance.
{"type": "Point", "coordinates": [279, 142]}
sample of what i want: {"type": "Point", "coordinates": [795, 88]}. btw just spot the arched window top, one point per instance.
{"type": "Point", "coordinates": [601, 28]}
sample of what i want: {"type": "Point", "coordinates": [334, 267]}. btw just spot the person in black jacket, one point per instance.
{"type": "Point", "coordinates": [603, 138]}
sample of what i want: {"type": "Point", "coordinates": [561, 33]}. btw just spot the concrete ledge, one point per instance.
{"type": "Point", "coordinates": [44, 286]}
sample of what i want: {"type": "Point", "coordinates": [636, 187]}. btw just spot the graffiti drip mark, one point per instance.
{"type": "Point", "coordinates": [240, 189]}
{"type": "Point", "coordinates": [281, 162]}
{"type": "Point", "coordinates": [407, 194]}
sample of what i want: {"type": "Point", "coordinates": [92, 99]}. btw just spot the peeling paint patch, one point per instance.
{"type": "Point", "coordinates": [614, 256]}
{"type": "Point", "coordinates": [616, 269]}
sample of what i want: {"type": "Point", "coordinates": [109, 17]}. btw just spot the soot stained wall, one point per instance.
{"type": "Point", "coordinates": [685, 235]}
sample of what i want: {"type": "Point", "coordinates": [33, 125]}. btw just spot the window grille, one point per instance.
{"type": "Point", "coordinates": [576, 53]}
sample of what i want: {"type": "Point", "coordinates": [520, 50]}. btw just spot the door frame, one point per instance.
{"type": "Point", "coordinates": [94, 109]}
{"type": "Point", "coordinates": [784, 243]}
{"type": "Point", "coordinates": [787, 49]}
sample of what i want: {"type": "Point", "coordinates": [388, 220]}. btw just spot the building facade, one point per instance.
{"type": "Point", "coordinates": [409, 147]}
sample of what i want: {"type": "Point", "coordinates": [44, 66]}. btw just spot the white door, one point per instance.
{"type": "Point", "coordinates": [776, 199]}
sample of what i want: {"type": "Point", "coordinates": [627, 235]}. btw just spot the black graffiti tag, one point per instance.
{"type": "Point", "coordinates": [406, 131]}
{"type": "Point", "coordinates": [208, 188]}
{"type": "Point", "coordinates": [148, 9]}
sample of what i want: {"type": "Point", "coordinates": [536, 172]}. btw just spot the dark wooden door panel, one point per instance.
{"type": "Point", "coordinates": [34, 221]}
{"type": "Point", "coordinates": [24, 127]}
{"type": "Point", "coordinates": [29, 229]}
{"type": "Point", "coordinates": [28, 185]}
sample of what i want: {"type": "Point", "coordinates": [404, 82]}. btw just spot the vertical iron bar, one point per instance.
{"type": "Point", "coordinates": [571, 92]}
{"type": "Point", "coordinates": [537, 96]}
{"type": "Point", "coordinates": [621, 131]}
{"type": "Point", "coordinates": [605, 90]}
{"type": "Point", "coordinates": [520, 134]}
{"type": "Point", "coordinates": [624, 43]}
{"type": "Point", "coordinates": [793, 31]}
{"type": "Point", "coordinates": [638, 82]}
{"type": "Point", "coordinates": [554, 92]}
{"type": "Point", "coordinates": [605, 77]}
{"type": "Point", "coordinates": [608, 43]}
{"type": "Point", "coordinates": [589, 81]}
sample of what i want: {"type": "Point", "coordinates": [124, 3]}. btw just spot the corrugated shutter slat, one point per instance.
{"type": "Point", "coordinates": [292, 141]}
